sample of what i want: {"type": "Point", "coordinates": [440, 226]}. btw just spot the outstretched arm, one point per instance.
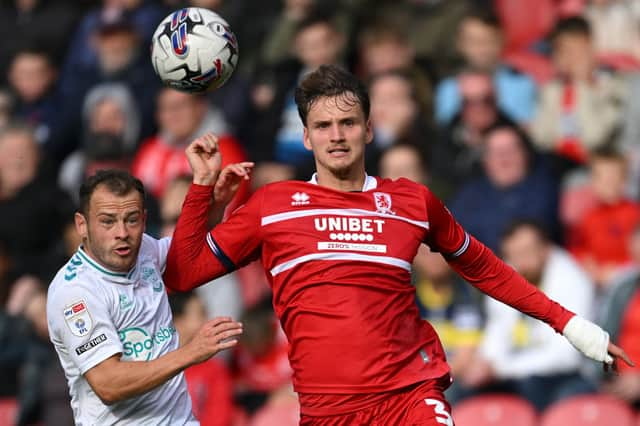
{"type": "Point", "coordinates": [480, 267]}
{"type": "Point", "coordinates": [114, 380]}
{"type": "Point", "coordinates": [195, 257]}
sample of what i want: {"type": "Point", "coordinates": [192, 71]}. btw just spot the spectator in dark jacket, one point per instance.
{"type": "Point", "coordinates": [30, 202]}
{"type": "Point", "coordinates": [515, 184]}
{"type": "Point", "coordinates": [32, 79]}
{"type": "Point", "coordinates": [122, 57]}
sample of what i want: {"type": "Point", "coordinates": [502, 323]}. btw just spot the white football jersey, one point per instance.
{"type": "Point", "coordinates": [94, 313]}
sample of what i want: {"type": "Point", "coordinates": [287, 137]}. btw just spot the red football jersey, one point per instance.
{"type": "Point", "coordinates": [339, 265]}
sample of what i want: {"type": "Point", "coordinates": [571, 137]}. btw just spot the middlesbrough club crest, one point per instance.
{"type": "Point", "coordinates": [383, 202]}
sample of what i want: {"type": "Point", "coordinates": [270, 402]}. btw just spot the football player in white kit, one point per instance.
{"type": "Point", "coordinates": [108, 307]}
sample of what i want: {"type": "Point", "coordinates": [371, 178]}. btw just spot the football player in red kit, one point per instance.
{"type": "Point", "coordinates": [337, 251]}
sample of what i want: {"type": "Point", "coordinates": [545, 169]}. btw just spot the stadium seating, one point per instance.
{"type": "Point", "coordinates": [588, 410]}
{"type": "Point", "coordinates": [524, 25]}
{"type": "Point", "coordinates": [8, 411]}
{"type": "Point", "coordinates": [494, 410]}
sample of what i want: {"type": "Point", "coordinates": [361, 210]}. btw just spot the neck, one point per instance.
{"type": "Point", "coordinates": [353, 181]}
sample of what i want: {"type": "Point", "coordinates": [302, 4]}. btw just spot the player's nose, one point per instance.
{"type": "Point", "coordinates": [335, 133]}
{"type": "Point", "coordinates": [121, 230]}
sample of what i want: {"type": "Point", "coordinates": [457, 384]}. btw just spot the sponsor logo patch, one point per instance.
{"type": "Point", "coordinates": [125, 302]}
{"type": "Point", "coordinates": [300, 199]}
{"type": "Point", "coordinates": [335, 245]}
{"type": "Point", "coordinates": [138, 344]}
{"type": "Point", "coordinates": [78, 318]}
{"type": "Point", "coordinates": [91, 344]}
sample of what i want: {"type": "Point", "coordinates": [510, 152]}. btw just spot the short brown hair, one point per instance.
{"type": "Point", "coordinates": [118, 182]}
{"type": "Point", "coordinates": [330, 81]}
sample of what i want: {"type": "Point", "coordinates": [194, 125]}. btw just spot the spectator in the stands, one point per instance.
{"type": "Point", "coordinates": [452, 307]}
{"type": "Point", "coordinates": [110, 135]}
{"type": "Point", "coordinates": [143, 14]}
{"type": "Point", "coordinates": [395, 113]}
{"type": "Point", "coordinates": [280, 150]}
{"type": "Point", "coordinates": [209, 383]}
{"type": "Point", "coordinates": [32, 207]}
{"type": "Point", "coordinates": [32, 78]}
{"type": "Point", "coordinates": [602, 235]}
{"type": "Point", "coordinates": [45, 24]}
{"type": "Point", "coordinates": [261, 364]}
{"type": "Point", "coordinates": [580, 109]}
{"type": "Point", "coordinates": [385, 48]}
{"type": "Point", "coordinates": [181, 118]}
{"type": "Point", "coordinates": [616, 31]}
{"type": "Point", "coordinates": [457, 151]}
{"type": "Point", "coordinates": [121, 57]}
{"type": "Point", "coordinates": [516, 183]}
{"type": "Point", "coordinates": [520, 353]}
{"type": "Point", "coordinates": [480, 42]}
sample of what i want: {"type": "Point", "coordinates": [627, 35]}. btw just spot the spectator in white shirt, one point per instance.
{"type": "Point", "coordinates": [519, 355]}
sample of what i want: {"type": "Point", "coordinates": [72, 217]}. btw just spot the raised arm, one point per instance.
{"type": "Point", "coordinates": [195, 255]}
{"type": "Point", "coordinates": [479, 266]}
{"type": "Point", "coordinates": [114, 380]}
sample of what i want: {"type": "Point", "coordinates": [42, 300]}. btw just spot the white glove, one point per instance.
{"type": "Point", "coordinates": [588, 338]}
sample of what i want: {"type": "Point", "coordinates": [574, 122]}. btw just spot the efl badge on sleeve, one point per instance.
{"type": "Point", "coordinates": [78, 318]}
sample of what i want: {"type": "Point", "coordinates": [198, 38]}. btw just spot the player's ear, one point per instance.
{"type": "Point", "coordinates": [81, 224]}
{"type": "Point", "coordinates": [305, 139]}
{"type": "Point", "coordinates": [369, 130]}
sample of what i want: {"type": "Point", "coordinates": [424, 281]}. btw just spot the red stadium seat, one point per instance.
{"type": "Point", "coordinates": [588, 410]}
{"type": "Point", "coordinates": [8, 411]}
{"type": "Point", "coordinates": [525, 22]}
{"type": "Point", "coordinates": [494, 410]}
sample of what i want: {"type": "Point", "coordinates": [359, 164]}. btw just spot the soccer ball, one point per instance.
{"type": "Point", "coordinates": [193, 50]}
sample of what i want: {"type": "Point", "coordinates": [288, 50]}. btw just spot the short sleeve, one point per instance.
{"type": "Point", "coordinates": [80, 325]}
{"type": "Point", "coordinates": [237, 241]}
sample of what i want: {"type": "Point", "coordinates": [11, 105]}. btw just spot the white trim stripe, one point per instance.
{"type": "Point", "coordinates": [279, 217]}
{"type": "Point", "coordinates": [393, 261]}
{"type": "Point", "coordinates": [464, 247]}
{"type": "Point", "coordinates": [369, 182]}
{"type": "Point", "coordinates": [212, 245]}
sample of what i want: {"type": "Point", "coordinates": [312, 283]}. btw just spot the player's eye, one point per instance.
{"type": "Point", "coordinates": [348, 122]}
{"type": "Point", "coordinates": [133, 220]}
{"type": "Point", "coordinates": [322, 125]}
{"type": "Point", "coordinates": [107, 222]}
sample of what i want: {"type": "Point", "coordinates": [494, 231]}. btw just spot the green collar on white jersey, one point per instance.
{"type": "Point", "coordinates": [120, 277]}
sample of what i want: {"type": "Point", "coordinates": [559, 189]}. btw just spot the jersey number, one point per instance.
{"type": "Point", "coordinates": [442, 416]}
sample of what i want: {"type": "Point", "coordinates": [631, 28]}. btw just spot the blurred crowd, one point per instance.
{"type": "Point", "coordinates": [523, 116]}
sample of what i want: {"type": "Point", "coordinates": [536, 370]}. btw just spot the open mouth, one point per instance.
{"type": "Point", "coordinates": [123, 251]}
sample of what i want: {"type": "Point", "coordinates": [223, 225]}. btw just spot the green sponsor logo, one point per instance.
{"type": "Point", "coordinates": [138, 343]}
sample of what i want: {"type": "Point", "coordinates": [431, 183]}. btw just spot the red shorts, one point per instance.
{"type": "Point", "coordinates": [422, 404]}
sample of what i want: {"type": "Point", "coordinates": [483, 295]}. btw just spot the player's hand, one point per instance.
{"type": "Point", "coordinates": [204, 159]}
{"type": "Point", "coordinates": [214, 336]}
{"type": "Point", "coordinates": [229, 181]}
{"type": "Point", "coordinates": [617, 353]}
{"type": "Point", "coordinates": [594, 342]}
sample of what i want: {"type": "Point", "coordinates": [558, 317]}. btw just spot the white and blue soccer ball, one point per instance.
{"type": "Point", "coordinates": [193, 50]}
